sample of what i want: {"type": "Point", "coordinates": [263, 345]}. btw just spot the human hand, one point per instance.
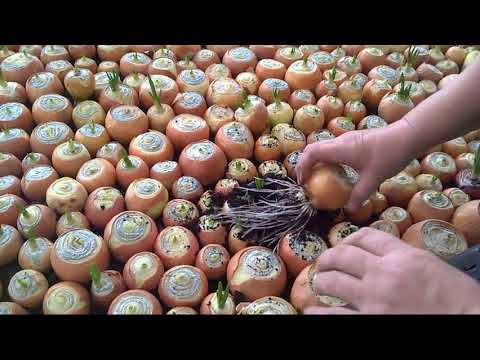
{"type": "Point", "coordinates": [380, 274]}
{"type": "Point", "coordinates": [377, 154]}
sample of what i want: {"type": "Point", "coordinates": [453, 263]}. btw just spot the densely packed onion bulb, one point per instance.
{"type": "Point", "coordinates": [75, 252]}
{"type": "Point", "coordinates": [268, 305]}
{"type": "Point", "coordinates": [66, 193]}
{"type": "Point", "coordinates": [106, 287]}
{"type": "Point", "coordinates": [135, 302]}
{"type": "Point", "coordinates": [303, 293]}
{"type": "Point", "coordinates": [437, 236]}
{"type": "Point", "coordinates": [256, 272]}
{"type": "Point", "coordinates": [129, 233]}
{"type": "Point", "coordinates": [27, 288]}
{"type": "Point", "coordinates": [183, 285]}
{"type": "Point", "coordinates": [66, 298]}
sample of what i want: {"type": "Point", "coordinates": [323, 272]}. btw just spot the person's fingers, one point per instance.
{"type": "Point", "coordinates": [338, 150]}
{"type": "Point", "coordinates": [374, 241]}
{"type": "Point", "coordinates": [366, 185]}
{"type": "Point", "coordinates": [338, 284]}
{"type": "Point", "coordinates": [323, 310]}
{"type": "Point", "coordinates": [346, 259]}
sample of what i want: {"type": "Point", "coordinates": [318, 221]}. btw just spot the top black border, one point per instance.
{"type": "Point", "coordinates": [253, 22]}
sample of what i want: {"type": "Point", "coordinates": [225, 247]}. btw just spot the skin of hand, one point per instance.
{"type": "Point", "coordinates": [378, 154]}
{"type": "Point", "coordinates": [377, 273]}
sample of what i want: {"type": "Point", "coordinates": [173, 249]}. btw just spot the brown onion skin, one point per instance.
{"type": "Point", "coordinates": [207, 171]}
{"type": "Point", "coordinates": [191, 302]}
{"type": "Point", "coordinates": [99, 217]}
{"type": "Point", "coordinates": [80, 222]}
{"type": "Point", "coordinates": [182, 139]}
{"type": "Point", "coordinates": [455, 147]}
{"type": "Point", "coordinates": [403, 224]}
{"type": "Point", "coordinates": [468, 183]}
{"type": "Point", "coordinates": [78, 51]}
{"type": "Point", "coordinates": [413, 235]}
{"type": "Point", "coordinates": [11, 248]}
{"type": "Point", "coordinates": [166, 178]}
{"type": "Point", "coordinates": [467, 220]}
{"type": "Point", "coordinates": [331, 106]}
{"type": "Point", "coordinates": [10, 215]}
{"type": "Point", "coordinates": [41, 116]}
{"type": "Point", "coordinates": [119, 287]}
{"type": "Point", "coordinates": [168, 221]}
{"type": "Point", "coordinates": [188, 258]}
{"type": "Point", "coordinates": [445, 177]}
{"type": "Point", "coordinates": [125, 176]}
{"type": "Point", "coordinates": [79, 271]}
{"type": "Point", "coordinates": [264, 153]}
{"type": "Point", "coordinates": [23, 121]}
{"type": "Point", "coordinates": [69, 164]}
{"type": "Point", "coordinates": [46, 227]}
{"type": "Point", "coordinates": [255, 288]}
{"type": "Point", "coordinates": [14, 188]}
{"type": "Point", "coordinates": [124, 251]}
{"type": "Point", "coordinates": [79, 289]}
{"type": "Point", "coordinates": [10, 165]}
{"type": "Point", "coordinates": [398, 194]}
{"type": "Point", "coordinates": [149, 283]}
{"type": "Point", "coordinates": [294, 263]}
{"type": "Point", "coordinates": [15, 309]}
{"type": "Point", "coordinates": [301, 295]}
{"type": "Point", "coordinates": [47, 148]}
{"type": "Point", "coordinates": [108, 66]}
{"type": "Point", "coordinates": [105, 177]}
{"type": "Point", "coordinates": [157, 307]}
{"type": "Point", "coordinates": [114, 156]}
{"type": "Point", "coordinates": [326, 190]}
{"type": "Point", "coordinates": [21, 75]}
{"type": "Point", "coordinates": [125, 131]}
{"type": "Point", "coordinates": [216, 272]}
{"type": "Point", "coordinates": [151, 158]}
{"type": "Point", "coordinates": [263, 51]}
{"type": "Point", "coordinates": [421, 210]}
{"type": "Point", "coordinates": [232, 149]}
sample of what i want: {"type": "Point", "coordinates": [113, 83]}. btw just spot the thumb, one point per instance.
{"type": "Point", "coordinates": [366, 185]}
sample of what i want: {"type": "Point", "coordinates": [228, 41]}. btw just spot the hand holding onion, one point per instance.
{"type": "Point", "coordinates": [365, 151]}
